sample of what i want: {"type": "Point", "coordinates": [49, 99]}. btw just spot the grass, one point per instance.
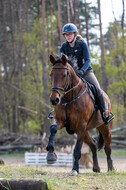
{"type": "Point", "coordinates": [87, 181]}
{"type": "Point", "coordinates": [63, 181]}
{"type": "Point", "coordinates": [12, 155]}
{"type": "Point", "coordinates": [120, 152]}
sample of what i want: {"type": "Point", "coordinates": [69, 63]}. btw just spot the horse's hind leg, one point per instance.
{"type": "Point", "coordinates": [109, 160]}
{"type": "Point", "coordinates": [91, 143]}
{"type": "Point", "coordinates": [51, 156]}
{"type": "Point", "coordinates": [106, 134]}
{"type": "Point", "coordinates": [77, 155]}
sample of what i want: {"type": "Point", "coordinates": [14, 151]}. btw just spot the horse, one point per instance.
{"type": "Point", "coordinates": [74, 109]}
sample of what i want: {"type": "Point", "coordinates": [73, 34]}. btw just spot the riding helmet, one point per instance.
{"type": "Point", "coordinates": [70, 27]}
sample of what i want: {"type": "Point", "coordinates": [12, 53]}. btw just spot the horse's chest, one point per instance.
{"type": "Point", "coordinates": [67, 113]}
{"type": "Point", "coordinates": [60, 113]}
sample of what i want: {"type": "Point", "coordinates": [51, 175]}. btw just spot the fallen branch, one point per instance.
{"type": "Point", "coordinates": [27, 109]}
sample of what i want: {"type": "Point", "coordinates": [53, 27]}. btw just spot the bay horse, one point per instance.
{"type": "Point", "coordinates": [74, 109]}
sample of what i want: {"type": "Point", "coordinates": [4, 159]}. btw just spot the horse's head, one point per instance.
{"type": "Point", "coordinates": [59, 78]}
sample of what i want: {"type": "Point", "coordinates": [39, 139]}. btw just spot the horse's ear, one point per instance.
{"type": "Point", "coordinates": [52, 59]}
{"type": "Point", "coordinates": [64, 59]}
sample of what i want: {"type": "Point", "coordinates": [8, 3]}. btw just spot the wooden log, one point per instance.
{"type": "Point", "coordinates": [118, 129]}
{"type": "Point", "coordinates": [119, 142]}
{"type": "Point", "coordinates": [23, 184]}
{"type": "Point", "coordinates": [119, 137]}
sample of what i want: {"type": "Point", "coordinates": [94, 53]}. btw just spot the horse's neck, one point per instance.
{"type": "Point", "coordinates": [76, 81]}
{"type": "Point", "coordinates": [75, 86]}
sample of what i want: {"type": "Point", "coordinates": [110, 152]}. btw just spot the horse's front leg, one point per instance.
{"type": "Point", "coordinates": [51, 156]}
{"type": "Point", "coordinates": [77, 155]}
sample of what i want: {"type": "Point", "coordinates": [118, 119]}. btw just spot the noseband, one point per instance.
{"type": "Point", "coordinates": [66, 82]}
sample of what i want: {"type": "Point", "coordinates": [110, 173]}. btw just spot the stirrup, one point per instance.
{"type": "Point", "coordinates": [108, 118]}
{"type": "Point", "coordinates": [50, 116]}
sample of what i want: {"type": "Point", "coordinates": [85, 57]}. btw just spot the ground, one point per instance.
{"type": "Point", "coordinates": [118, 161]}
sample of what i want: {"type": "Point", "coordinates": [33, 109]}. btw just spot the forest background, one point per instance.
{"type": "Point", "coordinates": [30, 30]}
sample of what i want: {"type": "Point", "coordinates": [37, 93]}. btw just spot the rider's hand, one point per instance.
{"type": "Point", "coordinates": [80, 73]}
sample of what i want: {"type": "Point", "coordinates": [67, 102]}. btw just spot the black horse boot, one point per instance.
{"type": "Point", "coordinates": [51, 156]}
{"type": "Point", "coordinates": [101, 105]}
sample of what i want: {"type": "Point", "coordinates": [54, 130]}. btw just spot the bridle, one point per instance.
{"type": "Point", "coordinates": [65, 91]}
{"type": "Point", "coordinates": [66, 82]}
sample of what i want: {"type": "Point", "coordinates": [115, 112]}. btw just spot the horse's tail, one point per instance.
{"type": "Point", "coordinates": [100, 142]}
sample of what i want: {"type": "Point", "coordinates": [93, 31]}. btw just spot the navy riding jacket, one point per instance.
{"type": "Point", "coordinates": [79, 52]}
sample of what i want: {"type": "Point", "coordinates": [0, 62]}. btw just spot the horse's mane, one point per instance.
{"type": "Point", "coordinates": [71, 60]}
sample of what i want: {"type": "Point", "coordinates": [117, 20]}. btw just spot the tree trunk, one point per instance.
{"type": "Point", "coordinates": [86, 18]}
{"type": "Point", "coordinates": [122, 25]}
{"type": "Point", "coordinates": [59, 21]}
{"type": "Point", "coordinates": [72, 11]}
{"type": "Point", "coordinates": [78, 14]}
{"type": "Point", "coordinates": [68, 10]}
{"type": "Point", "coordinates": [52, 43]}
{"type": "Point", "coordinates": [44, 66]}
{"type": "Point", "coordinates": [123, 14]}
{"type": "Point", "coordinates": [113, 10]}
{"type": "Point", "coordinates": [6, 93]}
{"type": "Point", "coordinates": [18, 67]}
{"type": "Point", "coordinates": [4, 39]}
{"type": "Point", "coordinates": [123, 45]}
{"type": "Point", "coordinates": [104, 79]}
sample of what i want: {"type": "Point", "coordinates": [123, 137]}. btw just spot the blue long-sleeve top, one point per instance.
{"type": "Point", "coordinates": [79, 52]}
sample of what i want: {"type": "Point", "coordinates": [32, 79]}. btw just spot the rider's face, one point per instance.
{"type": "Point", "coordinates": [69, 36]}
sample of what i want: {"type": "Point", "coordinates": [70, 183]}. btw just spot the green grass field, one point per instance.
{"type": "Point", "coordinates": [63, 181]}
{"type": "Point", "coordinates": [100, 153]}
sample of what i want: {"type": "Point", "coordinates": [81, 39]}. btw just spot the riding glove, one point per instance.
{"type": "Point", "coordinates": [80, 73]}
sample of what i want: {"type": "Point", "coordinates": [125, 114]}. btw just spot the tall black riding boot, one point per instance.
{"type": "Point", "coordinates": [101, 104]}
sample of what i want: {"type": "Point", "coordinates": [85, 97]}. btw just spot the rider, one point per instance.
{"type": "Point", "coordinates": [76, 48]}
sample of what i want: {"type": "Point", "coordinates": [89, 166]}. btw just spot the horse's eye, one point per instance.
{"type": "Point", "coordinates": [64, 75]}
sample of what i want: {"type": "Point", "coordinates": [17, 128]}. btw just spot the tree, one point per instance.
{"type": "Point", "coordinates": [123, 41]}
{"type": "Point", "coordinates": [59, 21]}
{"type": "Point", "coordinates": [18, 65]}
{"type": "Point", "coordinates": [6, 76]}
{"type": "Point", "coordinates": [68, 10]}
{"type": "Point", "coordinates": [44, 65]}
{"type": "Point", "coordinates": [104, 79]}
{"type": "Point", "coordinates": [116, 70]}
{"type": "Point", "coordinates": [72, 11]}
{"type": "Point", "coordinates": [86, 18]}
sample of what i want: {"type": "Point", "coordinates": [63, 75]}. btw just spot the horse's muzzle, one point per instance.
{"type": "Point", "coordinates": [54, 101]}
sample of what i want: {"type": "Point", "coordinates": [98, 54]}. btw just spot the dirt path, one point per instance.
{"type": "Point", "coordinates": [119, 164]}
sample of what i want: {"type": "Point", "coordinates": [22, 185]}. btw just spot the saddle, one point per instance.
{"type": "Point", "coordinates": [93, 93]}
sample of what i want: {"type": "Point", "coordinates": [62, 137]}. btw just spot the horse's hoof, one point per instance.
{"type": "Point", "coordinates": [111, 169]}
{"type": "Point", "coordinates": [74, 173]}
{"type": "Point", "coordinates": [51, 158]}
{"type": "Point", "coordinates": [110, 165]}
{"type": "Point", "coordinates": [97, 170]}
